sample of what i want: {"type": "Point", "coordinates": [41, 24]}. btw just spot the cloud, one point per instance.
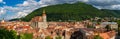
{"type": "Point", "coordinates": [25, 3]}
{"type": "Point", "coordinates": [105, 4]}
{"type": "Point", "coordinates": [111, 7]}
{"type": "Point", "coordinates": [116, 6]}
{"type": "Point", "coordinates": [2, 11]}
{"type": "Point", "coordinates": [1, 1]}
{"type": "Point", "coordinates": [20, 14]}
{"type": "Point", "coordinates": [21, 10]}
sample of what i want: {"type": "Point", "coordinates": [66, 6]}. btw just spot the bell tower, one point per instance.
{"type": "Point", "coordinates": [2, 20]}
{"type": "Point", "coordinates": [40, 24]}
{"type": "Point", "coordinates": [44, 16]}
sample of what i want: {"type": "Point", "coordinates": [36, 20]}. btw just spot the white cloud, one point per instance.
{"type": "Point", "coordinates": [111, 7]}
{"type": "Point", "coordinates": [25, 3]}
{"type": "Point", "coordinates": [2, 11]}
{"type": "Point", "coordinates": [20, 14]}
{"type": "Point", "coordinates": [116, 6]}
{"type": "Point", "coordinates": [1, 1]}
{"type": "Point", "coordinates": [84, 0]}
{"type": "Point", "coordinates": [23, 9]}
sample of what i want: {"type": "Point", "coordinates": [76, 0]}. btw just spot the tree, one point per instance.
{"type": "Point", "coordinates": [7, 34]}
{"type": "Point", "coordinates": [118, 27]}
{"type": "Point", "coordinates": [47, 37]}
{"type": "Point", "coordinates": [26, 36]}
{"type": "Point", "coordinates": [58, 37]}
{"type": "Point", "coordinates": [90, 27]}
{"type": "Point", "coordinates": [98, 37]}
{"type": "Point", "coordinates": [11, 34]}
{"type": "Point", "coordinates": [108, 27]}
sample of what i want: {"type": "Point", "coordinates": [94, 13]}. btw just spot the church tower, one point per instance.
{"type": "Point", "coordinates": [44, 16]}
{"type": "Point", "coordinates": [2, 23]}
{"type": "Point", "coordinates": [2, 20]}
{"type": "Point", "coordinates": [40, 21]}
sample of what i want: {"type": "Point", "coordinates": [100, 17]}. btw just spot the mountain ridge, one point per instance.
{"type": "Point", "coordinates": [76, 11]}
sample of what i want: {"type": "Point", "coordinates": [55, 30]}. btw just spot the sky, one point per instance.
{"type": "Point", "coordinates": [10, 9]}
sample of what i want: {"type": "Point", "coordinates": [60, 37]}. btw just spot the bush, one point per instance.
{"type": "Point", "coordinates": [26, 36]}
{"type": "Point", "coordinates": [58, 37]}
{"type": "Point", "coordinates": [47, 37]}
{"type": "Point", "coordinates": [98, 37]}
{"type": "Point", "coordinates": [6, 34]}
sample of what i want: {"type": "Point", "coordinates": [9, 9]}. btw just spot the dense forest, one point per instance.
{"type": "Point", "coordinates": [115, 13]}
{"type": "Point", "coordinates": [70, 12]}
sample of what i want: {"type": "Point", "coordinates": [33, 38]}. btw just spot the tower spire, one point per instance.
{"type": "Point", "coordinates": [44, 16]}
{"type": "Point", "coordinates": [3, 19]}
{"type": "Point", "coordinates": [44, 11]}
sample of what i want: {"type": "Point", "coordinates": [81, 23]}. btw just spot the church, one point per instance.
{"type": "Point", "coordinates": [2, 23]}
{"type": "Point", "coordinates": [40, 21]}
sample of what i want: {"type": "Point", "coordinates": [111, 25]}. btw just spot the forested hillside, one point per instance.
{"type": "Point", "coordinates": [69, 12]}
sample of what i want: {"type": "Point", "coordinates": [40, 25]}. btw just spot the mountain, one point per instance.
{"type": "Point", "coordinates": [116, 13]}
{"type": "Point", "coordinates": [69, 12]}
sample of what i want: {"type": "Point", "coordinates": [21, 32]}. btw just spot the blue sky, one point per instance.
{"type": "Point", "coordinates": [10, 9]}
{"type": "Point", "coordinates": [11, 2]}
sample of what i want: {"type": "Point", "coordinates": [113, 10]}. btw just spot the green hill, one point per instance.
{"type": "Point", "coordinates": [65, 12]}
{"type": "Point", "coordinates": [116, 13]}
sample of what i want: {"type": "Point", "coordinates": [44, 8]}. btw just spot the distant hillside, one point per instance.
{"type": "Point", "coordinates": [65, 12]}
{"type": "Point", "coordinates": [116, 13]}
{"type": "Point", "coordinates": [15, 19]}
